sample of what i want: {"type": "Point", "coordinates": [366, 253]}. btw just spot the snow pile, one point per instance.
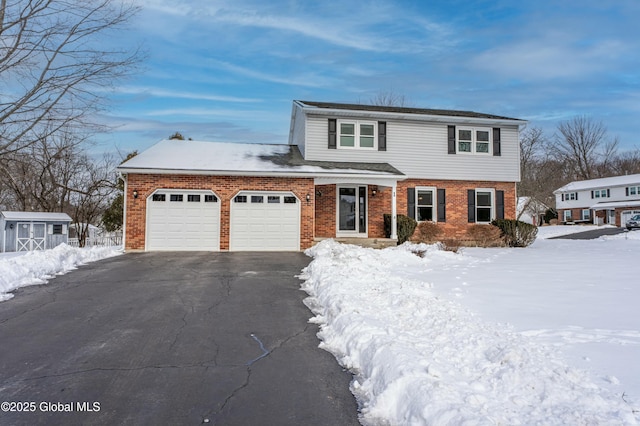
{"type": "Point", "coordinates": [419, 358]}
{"type": "Point", "coordinates": [37, 267]}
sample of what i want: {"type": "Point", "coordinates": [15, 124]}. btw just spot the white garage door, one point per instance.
{"type": "Point", "coordinates": [626, 215]}
{"type": "Point", "coordinates": [265, 221]}
{"type": "Point", "coordinates": [183, 220]}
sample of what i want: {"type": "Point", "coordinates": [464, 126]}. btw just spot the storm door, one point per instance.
{"type": "Point", "coordinates": [352, 211]}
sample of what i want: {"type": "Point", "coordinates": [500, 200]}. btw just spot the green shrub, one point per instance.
{"type": "Point", "coordinates": [516, 233]}
{"type": "Point", "coordinates": [550, 214]}
{"type": "Point", "coordinates": [427, 232]}
{"type": "Point", "coordinates": [485, 235]}
{"type": "Point", "coordinates": [405, 227]}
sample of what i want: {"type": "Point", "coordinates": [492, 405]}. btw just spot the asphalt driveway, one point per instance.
{"type": "Point", "coordinates": [170, 338]}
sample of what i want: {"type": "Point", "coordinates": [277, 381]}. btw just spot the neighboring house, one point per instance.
{"type": "Point", "coordinates": [611, 200]}
{"type": "Point", "coordinates": [345, 166]}
{"type": "Point", "coordinates": [531, 211]}
{"type": "Point", "coordinates": [26, 231]}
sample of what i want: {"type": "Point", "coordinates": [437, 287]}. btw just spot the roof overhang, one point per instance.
{"type": "Point", "coordinates": [616, 205]}
{"type": "Point", "coordinates": [375, 115]}
{"type": "Point", "coordinates": [289, 174]}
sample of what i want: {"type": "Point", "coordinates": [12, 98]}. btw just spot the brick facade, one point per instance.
{"type": "Point", "coordinates": [456, 224]}
{"type": "Point", "coordinates": [225, 187]}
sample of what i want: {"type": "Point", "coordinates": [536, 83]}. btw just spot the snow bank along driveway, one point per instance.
{"type": "Point", "coordinates": [36, 267]}
{"type": "Point", "coordinates": [422, 352]}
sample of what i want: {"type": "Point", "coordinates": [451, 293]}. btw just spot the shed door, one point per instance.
{"type": "Point", "coordinates": [183, 220]}
{"type": "Point", "coordinates": [31, 236]}
{"type": "Point", "coordinates": [265, 221]}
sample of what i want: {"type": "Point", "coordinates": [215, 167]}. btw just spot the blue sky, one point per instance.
{"type": "Point", "coordinates": [229, 70]}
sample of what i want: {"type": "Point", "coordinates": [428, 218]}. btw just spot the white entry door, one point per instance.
{"type": "Point", "coordinates": [264, 221]}
{"type": "Point", "coordinates": [31, 236]}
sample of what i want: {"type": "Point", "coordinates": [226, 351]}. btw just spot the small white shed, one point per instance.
{"type": "Point", "coordinates": [26, 231]}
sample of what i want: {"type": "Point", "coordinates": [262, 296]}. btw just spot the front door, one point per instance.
{"type": "Point", "coordinates": [352, 211]}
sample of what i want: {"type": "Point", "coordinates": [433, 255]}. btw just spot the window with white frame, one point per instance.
{"type": "Point", "coordinates": [474, 140]}
{"type": "Point", "coordinates": [570, 196]}
{"type": "Point", "coordinates": [586, 214]}
{"type": "Point", "coordinates": [633, 190]}
{"type": "Point", "coordinates": [425, 204]}
{"type": "Point", "coordinates": [484, 205]}
{"type": "Point", "coordinates": [357, 134]}
{"type": "Point", "coordinates": [567, 215]}
{"type": "Point", "coordinates": [600, 193]}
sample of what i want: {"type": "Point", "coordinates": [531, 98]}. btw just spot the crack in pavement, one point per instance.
{"type": "Point", "coordinates": [267, 353]}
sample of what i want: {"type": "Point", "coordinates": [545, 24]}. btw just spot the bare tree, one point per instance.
{"type": "Point", "coordinates": [583, 146]}
{"type": "Point", "coordinates": [627, 163]}
{"type": "Point", "coordinates": [54, 63]}
{"type": "Point", "coordinates": [388, 98]}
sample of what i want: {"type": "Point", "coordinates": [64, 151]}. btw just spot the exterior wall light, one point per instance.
{"type": "Point", "coordinates": [308, 197]}
{"type": "Point", "coordinates": [374, 191]}
{"type": "Point", "coordinates": [318, 193]}
{"type": "Point", "coordinates": [135, 193]}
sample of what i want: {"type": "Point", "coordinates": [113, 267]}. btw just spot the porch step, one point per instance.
{"type": "Point", "coordinates": [376, 243]}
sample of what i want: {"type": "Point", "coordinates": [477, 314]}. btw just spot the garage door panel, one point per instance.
{"type": "Point", "coordinates": [266, 226]}
{"type": "Point", "coordinates": [183, 225]}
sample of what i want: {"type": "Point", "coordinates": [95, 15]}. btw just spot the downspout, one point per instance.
{"type": "Point", "coordinates": [124, 211]}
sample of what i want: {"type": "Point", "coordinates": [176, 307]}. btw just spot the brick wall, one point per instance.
{"type": "Point", "coordinates": [455, 226]}
{"type": "Point", "coordinates": [225, 187]}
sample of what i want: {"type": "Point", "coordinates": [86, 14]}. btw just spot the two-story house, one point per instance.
{"type": "Point", "coordinates": [344, 167]}
{"type": "Point", "coordinates": [611, 200]}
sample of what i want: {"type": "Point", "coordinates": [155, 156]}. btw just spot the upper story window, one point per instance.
{"type": "Point", "coordinates": [571, 196]}
{"type": "Point", "coordinates": [600, 193]}
{"type": "Point", "coordinates": [473, 140]}
{"type": "Point", "coordinates": [633, 190]}
{"type": "Point", "coordinates": [356, 134]}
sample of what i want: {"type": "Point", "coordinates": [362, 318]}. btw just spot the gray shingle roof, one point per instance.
{"type": "Point", "coordinates": [404, 110]}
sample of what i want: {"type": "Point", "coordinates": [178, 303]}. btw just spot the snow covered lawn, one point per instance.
{"type": "Point", "coordinates": [36, 267]}
{"type": "Point", "coordinates": [548, 334]}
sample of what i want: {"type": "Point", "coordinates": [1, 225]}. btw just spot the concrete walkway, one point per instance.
{"type": "Point", "coordinates": [171, 338]}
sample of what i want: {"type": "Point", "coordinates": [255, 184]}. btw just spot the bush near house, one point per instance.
{"type": "Point", "coordinates": [516, 233]}
{"type": "Point", "coordinates": [550, 214]}
{"type": "Point", "coordinates": [405, 226]}
{"type": "Point", "coordinates": [426, 232]}
{"type": "Point", "coordinates": [485, 235]}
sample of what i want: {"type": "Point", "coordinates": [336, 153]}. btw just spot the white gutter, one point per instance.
{"type": "Point", "coordinates": [310, 175]}
{"type": "Point", "coordinates": [337, 112]}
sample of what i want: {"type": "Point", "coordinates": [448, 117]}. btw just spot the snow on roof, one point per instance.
{"type": "Point", "coordinates": [616, 204]}
{"type": "Point", "coordinates": [181, 155]}
{"type": "Point", "coordinates": [61, 217]}
{"type": "Point", "coordinates": [580, 185]}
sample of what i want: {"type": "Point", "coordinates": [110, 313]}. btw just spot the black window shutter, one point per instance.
{"type": "Point", "coordinates": [496, 142]}
{"type": "Point", "coordinates": [442, 205]}
{"type": "Point", "coordinates": [411, 203]}
{"type": "Point", "coordinates": [576, 196]}
{"type": "Point", "coordinates": [626, 191]}
{"type": "Point", "coordinates": [451, 138]}
{"type": "Point", "coordinates": [382, 135]}
{"type": "Point", "coordinates": [471, 205]}
{"type": "Point", "coordinates": [332, 133]}
{"type": "Point", "coordinates": [608, 193]}
{"type": "Point", "coordinates": [562, 195]}
{"type": "Point", "coordinates": [499, 204]}
{"type": "Point", "coordinates": [591, 194]}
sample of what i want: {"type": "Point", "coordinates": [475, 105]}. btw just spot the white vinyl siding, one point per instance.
{"type": "Point", "coordinates": [297, 135]}
{"type": "Point", "coordinates": [419, 150]}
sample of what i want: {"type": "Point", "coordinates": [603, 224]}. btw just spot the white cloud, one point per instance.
{"type": "Point", "coordinates": [163, 93]}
